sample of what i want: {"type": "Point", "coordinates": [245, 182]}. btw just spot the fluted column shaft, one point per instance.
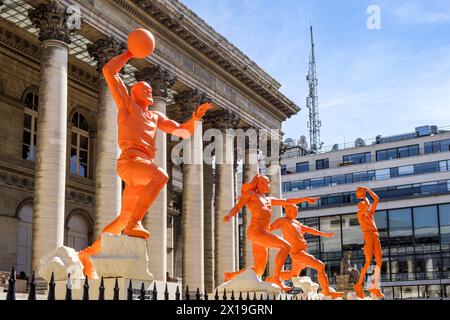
{"type": "Point", "coordinates": [208, 187]}
{"type": "Point", "coordinates": [50, 170]}
{"type": "Point", "coordinates": [193, 197]}
{"type": "Point", "coordinates": [108, 185]}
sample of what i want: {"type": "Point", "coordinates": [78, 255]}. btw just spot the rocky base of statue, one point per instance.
{"type": "Point", "coordinates": [122, 256]}
{"type": "Point", "coordinates": [248, 281]}
{"type": "Point", "coordinates": [309, 289]}
{"type": "Point", "coordinates": [61, 261]}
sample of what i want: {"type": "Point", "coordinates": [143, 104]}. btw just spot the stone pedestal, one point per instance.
{"type": "Point", "coordinates": [122, 256]}
{"type": "Point", "coordinates": [248, 281]}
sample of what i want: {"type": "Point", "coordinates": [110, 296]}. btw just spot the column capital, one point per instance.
{"type": "Point", "coordinates": [51, 20]}
{"type": "Point", "coordinates": [104, 50]}
{"type": "Point", "coordinates": [188, 102]}
{"type": "Point", "coordinates": [159, 78]}
{"type": "Point", "coordinates": [225, 119]}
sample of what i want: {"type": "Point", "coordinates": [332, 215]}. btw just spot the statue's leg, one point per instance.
{"type": "Point", "coordinates": [368, 254]}
{"type": "Point", "coordinates": [378, 252]}
{"type": "Point", "coordinates": [260, 256]}
{"type": "Point", "coordinates": [319, 266]}
{"type": "Point", "coordinates": [152, 179]}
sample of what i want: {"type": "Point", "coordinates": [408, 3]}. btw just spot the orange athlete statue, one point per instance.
{"type": "Point", "coordinates": [137, 131]}
{"type": "Point", "coordinates": [372, 246]}
{"type": "Point", "coordinates": [258, 232]}
{"type": "Point", "coordinates": [293, 232]}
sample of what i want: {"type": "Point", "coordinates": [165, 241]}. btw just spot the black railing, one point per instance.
{"type": "Point", "coordinates": [11, 294]}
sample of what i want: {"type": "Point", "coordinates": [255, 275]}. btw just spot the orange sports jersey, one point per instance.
{"type": "Point", "coordinates": [137, 129]}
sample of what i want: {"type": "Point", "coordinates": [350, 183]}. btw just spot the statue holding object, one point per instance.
{"type": "Point", "coordinates": [372, 245]}
{"type": "Point", "coordinates": [293, 232]}
{"type": "Point", "coordinates": [137, 127]}
{"type": "Point", "coordinates": [346, 268]}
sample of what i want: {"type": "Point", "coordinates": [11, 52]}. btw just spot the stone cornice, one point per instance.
{"type": "Point", "coordinates": [180, 21]}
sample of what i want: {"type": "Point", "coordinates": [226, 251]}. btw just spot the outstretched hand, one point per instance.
{"type": "Point", "coordinates": [226, 219]}
{"type": "Point", "coordinates": [202, 109]}
{"type": "Point", "coordinates": [312, 200]}
{"type": "Point", "coordinates": [330, 235]}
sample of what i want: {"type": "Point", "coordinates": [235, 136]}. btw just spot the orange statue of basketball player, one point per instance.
{"type": "Point", "coordinates": [372, 246]}
{"type": "Point", "coordinates": [293, 232]}
{"type": "Point", "coordinates": [137, 127]}
{"type": "Point", "coordinates": [258, 232]}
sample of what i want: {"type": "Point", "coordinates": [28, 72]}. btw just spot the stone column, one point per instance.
{"type": "Point", "coordinates": [273, 171]}
{"type": "Point", "coordinates": [225, 233]}
{"type": "Point", "coordinates": [235, 196]}
{"type": "Point", "coordinates": [108, 185]}
{"type": "Point", "coordinates": [156, 219]}
{"type": "Point", "coordinates": [193, 200]}
{"type": "Point", "coordinates": [250, 169]}
{"type": "Point", "coordinates": [208, 187]}
{"type": "Point", "coordinates": [50, 173]}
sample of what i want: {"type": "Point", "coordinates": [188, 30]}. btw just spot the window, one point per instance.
{"type": "Point", "coordinates": [406, 170]}
{"type": "Point", "coordinates": [352, 237]}
{"type": "Point", "coordinates": [444, 219]}
{"type": "Point", "coordinates": [77, 235]}
{"type": "Point", "coordinates": [382, 174]}
{"type": "Point", "coordinates": [437, 146]}
{"type": "Point", "coordinates": [302, 167]}
{"type": "Point", "coordinates": [400, 224]}
{"type": "Point", "coordinates": [317, 183]}
{"type": "Point", "coordinates": [360, 176]}
{"type": "Point", "coordinates": [336, 180]}
{"type": "Point", "coordinates": [357, 158]}
{"type": "Point", "coordinates": [394, 153]}
{"type": "Point", "coordinates": [322, 164]}
{"type": "Point", "coordinates": [426, 226]}
{"type": "Point", "coordinates": [426, 167]}
{"type": "Point", "coordinates": [79, 150]}
{"type": "Point", "coordinates": [30, 115]}
{"type": "Point", "coordinates": [283, 169]}
{"type": "Point", "coordinates": [331, 247]}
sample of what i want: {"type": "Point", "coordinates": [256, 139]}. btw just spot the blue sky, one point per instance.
{"type": "Point", "coordinates": [371, 82]}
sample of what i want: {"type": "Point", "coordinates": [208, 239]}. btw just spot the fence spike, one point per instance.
{"type": "Point", "coordinates": [130, 291]}
{"type": "Point", "coordinates": [101, 290]}
{"type": "Point", "coordinates": [261, 297]}
{"type": "Point", "coordinates": [248, 296]}
{"type": "Point", "coordinates": [142, 292]}
{"type": "Point", "coordinates": [51, 288]}
{"type": "Point", "coordinates": [232, 295]}
{"type": "Point", "coordinates": [205, 296]}
{"type": "Point", "coordinates": [254, 295]}
{"type": "Point", "coordinates": [11, 295]}
{"type": "Point", "coordinates": [197, 294]}
{"type": "Point", "coordinates": [240, 295]}
{"type": "Point", "coordinates": [177, 293]}
{"type": "Point", "coordinates": [187, 297]}
{"type": "Point", "coordinates": [224, 294]}
{"type": "Point", "coordinates": [116, 290]}
{"type": "Point", "coordinates": [154, 292]}
{"type": "Point", "coordinates": [166, 293]}
{"type": "Point", "coordinates": [216, 296]}
{"type": "Point", "coordinates": [69, 288]}
{"type": "Point", "coordinates": [32, 292]}
{"type": "Point", "coordinates": [86, 289]}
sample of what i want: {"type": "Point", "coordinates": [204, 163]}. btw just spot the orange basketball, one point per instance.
{"type": "Point", "coordinates": [141, 43]}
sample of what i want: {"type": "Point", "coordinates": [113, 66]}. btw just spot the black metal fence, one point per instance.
{"type": "Point", "coordinates": [179, 295]}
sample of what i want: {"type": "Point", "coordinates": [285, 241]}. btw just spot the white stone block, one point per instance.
{"type": "Point", "coordinates": [122, 256]}
{"type": "Point", "coordinates": [248, 281]}
{"type": "Point", "coordinates": [61, 262]}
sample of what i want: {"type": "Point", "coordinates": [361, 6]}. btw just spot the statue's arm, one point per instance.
{"type": "Point", "coordinates": [276, 224]}
{"type": "Point", "coordinates": [316, 232]}
{"type": "Point", "coordinates": [115, 84]}
{"type": "Point", "coordinates": [234, 211]}
{"type": "Point", "coordinates": [186, 129]}
{"type": "Point", "coordinates": [376, 200]}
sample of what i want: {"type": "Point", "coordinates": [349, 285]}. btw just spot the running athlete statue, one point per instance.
{"type": "Point", "coordinates": [293, 232]}
{"type": "Point", "coordinates": [258, 232]}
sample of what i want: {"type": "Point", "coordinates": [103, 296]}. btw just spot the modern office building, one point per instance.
{"type": "Point", "coordinates": [411, 174]}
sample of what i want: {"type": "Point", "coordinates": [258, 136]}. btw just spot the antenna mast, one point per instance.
{"type": "Point", "coordinates": [314, 123]}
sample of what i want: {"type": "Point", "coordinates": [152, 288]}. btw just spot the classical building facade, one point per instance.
{"type": "Point", "coordinates": [58, 146]}
{"type": "Point", "coordinates": [411, 174]}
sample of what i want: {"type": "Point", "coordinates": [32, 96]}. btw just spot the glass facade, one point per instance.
{"type": "Point", "coordinates": [415, 245]}
{"type": "Point", "coordinates": [381, 174]}
{"type": "Point", "coordinates": [322, 164]}
{"type": "Point", "coordinates": [395, 153]}
{"type": "Point", "coordinates": [357, 158]}
{"type": "Point", "coordinates": [437, 146]}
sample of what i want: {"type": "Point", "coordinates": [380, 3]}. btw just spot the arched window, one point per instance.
{"type": "Point", "coordinates": [77, 232]}
{"type": "Point", "coordinates": [79, 149]}
{"type": "Point", "coordinates": [24, 239]}
{"type": "Point", "coordinates": [31, 100]}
